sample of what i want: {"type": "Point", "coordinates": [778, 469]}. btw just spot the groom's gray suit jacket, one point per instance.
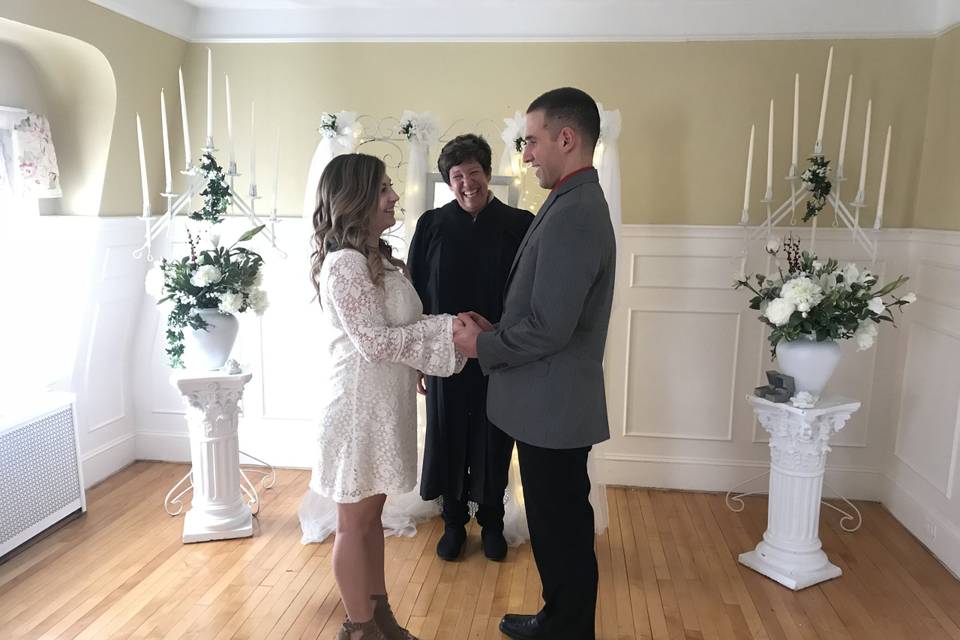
{"type": "Point", "coordinates": [545, 358]}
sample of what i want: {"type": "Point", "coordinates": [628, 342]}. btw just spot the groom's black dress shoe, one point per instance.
{"type": "Point", "coordinates": [521, 627]}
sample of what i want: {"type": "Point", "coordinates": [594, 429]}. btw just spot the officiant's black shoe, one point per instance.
{"type": "Point", "coordinates": [494, 544]}
{"type": "Point", "coordinates": [521, 627]}
{"type": "Point", "coordinates": [451, 542]}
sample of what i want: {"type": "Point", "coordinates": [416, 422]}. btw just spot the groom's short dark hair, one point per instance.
{"type": "Point", "coordinates": [572, 108]}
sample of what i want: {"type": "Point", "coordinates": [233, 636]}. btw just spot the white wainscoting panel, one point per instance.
{"type": "Point", "coordinates": [920, 484]}
{"type": "Point", "coordinates": [684, 349]}
{"type": "Point", "coordinates": [703, 353]}
{"type": "Point", "coordinates": [927, 438]}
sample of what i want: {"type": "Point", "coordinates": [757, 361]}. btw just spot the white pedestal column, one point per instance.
{"type": "Point", "coordinates": [790, 552]}
{"type": "Point", "coordinates": [218, 510]}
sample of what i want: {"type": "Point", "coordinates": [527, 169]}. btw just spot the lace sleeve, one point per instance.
{"type": "Point", "coordinates": [426, 345]}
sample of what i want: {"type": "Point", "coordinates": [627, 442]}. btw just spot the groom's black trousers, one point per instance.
{"type": "Point", "coordinates": [556, 495]}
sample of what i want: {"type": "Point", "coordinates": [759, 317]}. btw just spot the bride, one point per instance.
{"type": "Point", "coordinates": [375, 339]}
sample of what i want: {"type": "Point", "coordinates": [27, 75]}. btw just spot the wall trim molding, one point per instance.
{"type": "Point", "coordinates": [708, 474]}
{"type": "Point", "coordinates": [107, 459]}
{"type": "Point", "coordinates": [620, 21]}
{"type": "Point", "coordinates": [940, 536]}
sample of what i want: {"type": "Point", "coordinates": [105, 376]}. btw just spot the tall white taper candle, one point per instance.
{"type": "Point", "coordinates": [843, 130]}
{"type": "Point", "coordinates": [745, 216]}
{"type": "Point", "coordinates": [232, 157]}
{"type": "Point", "coordinates": [770, 153]}
{"type": "Point", "coordinates": [253, 148]}
{"type": "Point", "coordinates": [276, 170]}
{"type": "Point", "coordinates": [796, 118]}
{"type": "Point", "coordinates": [209, 97]}
{"type": "Point", "coordinates": [878, 221]}
{"type": "Point", "coordinates": [866, 150]}
{"type": "Point", "coordinates": [143, 171]}
{"type": "Point", "coordinates": [186, 124]}
{"type": "Point", "coordinates": [823, 100]}
{"type": "Point", "coordinates": [167, 177]}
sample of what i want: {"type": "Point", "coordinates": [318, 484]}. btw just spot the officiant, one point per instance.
{"type": "Point", "coordinates": [459, 260]}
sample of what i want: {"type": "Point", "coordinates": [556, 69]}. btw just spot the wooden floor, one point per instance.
{"type": "Point", "coordinates": [667, 570]}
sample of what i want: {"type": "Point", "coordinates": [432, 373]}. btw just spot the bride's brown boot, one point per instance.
{"type": "Point", "coordinates": [368, 630]}
{"type": "Point", "coordinates": [386, 622]}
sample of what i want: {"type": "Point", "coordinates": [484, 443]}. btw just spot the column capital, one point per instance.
{"type": "Point", "coordinates": [799, 438]}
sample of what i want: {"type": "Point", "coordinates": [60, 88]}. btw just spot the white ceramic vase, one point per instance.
{"type": "Point", "coordinates": [808, 362]}
{"type": "Point", "coordinates": [208, 349]}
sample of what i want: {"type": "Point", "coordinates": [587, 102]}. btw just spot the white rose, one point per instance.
{"type": "Point", "coordinates": [258, 279]}
{"type": "Point", "coordinates": [802, 292]}
{"type": "Point", "coordinates": [910, 298]}
{"type": "Point", "coordinates": [865, 335]}
{"type": "Point", "coordinates": [828, 282]}
{"type": "Point", "coordinates": [817, 265]}
{"type": "Point", "coordinates": [230, 302]}
{"type": "Point", "coordinates": [876, 305]}
{"type": "Point", "coordinates": [779, 311]}
{"type": "Point", "coordinates": [153, 283]}
{"type": "Point", "coordinates": [866, 277]}
{"type": "Point", "coordinates": [773, 246]}
{"type": "Point", "coordinates": [257, 300]}
{"type": "Point", "coordinates": [205, 275]}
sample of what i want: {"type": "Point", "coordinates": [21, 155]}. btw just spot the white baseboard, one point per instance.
{"type": "Point", "coordinates": [107, 459]}
{"type": "Point", "coordinates": [163, 445]}
{"type": "Point", "coordinates": [935, 532]}
{"type": "Point", "coordinates": [705, 474]}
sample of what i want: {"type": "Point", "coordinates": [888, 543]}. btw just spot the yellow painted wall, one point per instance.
{"type": "Point", "coordinates": [938, 200]}
{"type": "Point", "coordinates": [687, 107]}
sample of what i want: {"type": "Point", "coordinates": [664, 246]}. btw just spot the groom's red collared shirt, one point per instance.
{"type": "Point", "coordinates": [570, 175]}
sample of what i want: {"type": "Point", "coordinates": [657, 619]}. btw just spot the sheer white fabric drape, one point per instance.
{"type": "Point", "coordinates": [421, 132]}
{"type": "Point", "coordinates": [331, 145]}
{"type": "Point", "coordinates": [607, 161]}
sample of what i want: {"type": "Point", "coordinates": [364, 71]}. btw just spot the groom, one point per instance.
{"type": "Point", "coordinates": [545, 357]}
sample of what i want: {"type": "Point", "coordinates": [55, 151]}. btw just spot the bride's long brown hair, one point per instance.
{"type": "Point", "coordinates": [347, 196]}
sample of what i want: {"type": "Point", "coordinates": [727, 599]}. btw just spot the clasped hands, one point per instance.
{"type": "Point", "coordinates": [466, 327]}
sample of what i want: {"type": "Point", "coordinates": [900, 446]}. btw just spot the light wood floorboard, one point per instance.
{"type": "Point", "coordinates": [668, 570]}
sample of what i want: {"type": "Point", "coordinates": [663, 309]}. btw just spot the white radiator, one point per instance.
{"type": "Point", "coordinates": [41, 480]}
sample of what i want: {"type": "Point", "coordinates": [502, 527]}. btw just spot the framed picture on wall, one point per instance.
{"type": "Point", "coordinates": [503, 187]}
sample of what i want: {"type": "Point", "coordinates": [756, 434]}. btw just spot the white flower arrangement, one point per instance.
{"type": "Point", "coordinates": [339, 124]}
{"type": "Point", "coordinates": [224, 278]}
{"type": "Point", "coordinates": [820, 300]}
{"type": "Point", "coordinates": [515, 132]}
{"type": "Point", "coordinates": [419, 126]}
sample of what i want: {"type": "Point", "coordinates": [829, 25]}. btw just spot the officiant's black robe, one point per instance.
{"type": "Point", "coordinates": [460, 264]}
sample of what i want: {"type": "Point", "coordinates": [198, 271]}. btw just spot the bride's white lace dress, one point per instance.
{"type": "Point", "coordinates": [375, 339]}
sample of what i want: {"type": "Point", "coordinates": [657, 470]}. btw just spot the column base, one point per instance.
{"type": "Point", "coordinates": [201, 527]}
{"type": "Point", "coordinates": [808, 569]}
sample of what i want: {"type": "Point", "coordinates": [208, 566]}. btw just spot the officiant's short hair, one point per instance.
{"type": "Point", "coordinates": [574, 108]}
{"type": "Point", "coordinates": [464, 149]}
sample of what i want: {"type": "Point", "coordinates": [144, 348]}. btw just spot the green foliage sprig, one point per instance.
{"type": "Point", "coordinates": [817, 179]}
{"type": "Point", "coordinates": [216, 194]}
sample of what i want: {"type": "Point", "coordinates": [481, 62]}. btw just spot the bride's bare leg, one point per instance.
{"type": "Point", "coordinates": [351, 559]}
{"type": "Point", "coordinates": [375, 571]}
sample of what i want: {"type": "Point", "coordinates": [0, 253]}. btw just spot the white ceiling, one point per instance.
{"type": "Point", "coordinates": [536, 20]}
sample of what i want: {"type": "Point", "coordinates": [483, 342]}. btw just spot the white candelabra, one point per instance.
{"type": "Point", "coordinates": [196, 178]}
{"type": "Point", "coordinates": [847, 213]}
